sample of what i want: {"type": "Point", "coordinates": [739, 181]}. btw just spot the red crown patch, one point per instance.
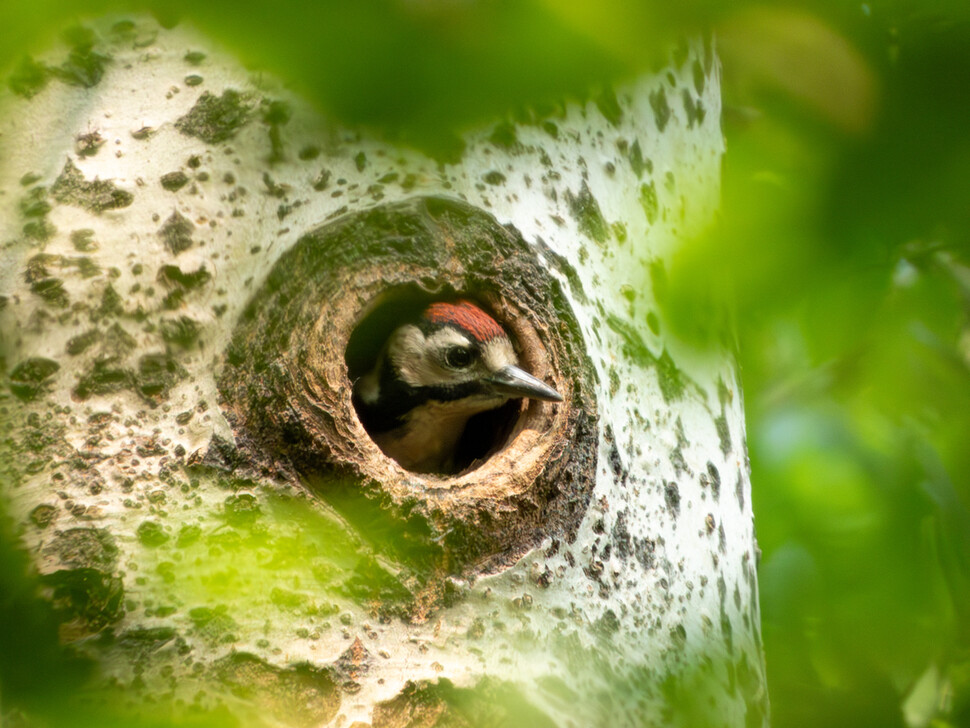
{"type": "Point", "coordinates": [466, 316]}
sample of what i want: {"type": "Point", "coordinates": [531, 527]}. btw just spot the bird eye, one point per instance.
{"type": "Point", "coordinates": [458, 357]}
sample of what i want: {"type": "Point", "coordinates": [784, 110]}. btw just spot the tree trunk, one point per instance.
{"type": "Point", "coordinates": [196, 265]}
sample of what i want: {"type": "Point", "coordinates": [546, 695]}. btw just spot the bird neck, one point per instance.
{"type": "Point", "coordinates": [427, 440]}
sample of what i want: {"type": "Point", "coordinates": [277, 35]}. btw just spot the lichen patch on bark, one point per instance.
{"type": "Point", "coordinates": [176, 233]}
{"type": "Point", "coordinates": [95, 196]}
{"type": "Point", "coordinates": [79, 574]}
{"type": "Point", "coordinates": [431, 705]}
{"type": "Point", "coordinates": [216, 119]}
{"type": "Point", "coordinates": [296, 696]}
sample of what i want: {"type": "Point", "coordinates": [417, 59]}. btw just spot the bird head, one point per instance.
{"type": "Point", "coordinates": [434, 372]}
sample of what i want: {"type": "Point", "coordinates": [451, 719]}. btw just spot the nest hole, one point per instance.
{"type": "Point", "coordinates": [320, 322]}
{"type": "Point", "coordinates": [485, 433]}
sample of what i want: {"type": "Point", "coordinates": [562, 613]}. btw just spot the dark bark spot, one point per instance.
{"type": "Point", "coordinates": [43, 515]}
{"type": "Point", "coordinates": [697, 70]}
{"type": "Point", "coordinates": [140, 642]}
{"type": "Point", "coordinates": [607, 625]}
{"type": "Point", "coordinates": [308, 153]}
{"type": "Point", "coordinates": [727, 630]}
{"type": "Point", "coordinates": [152, 534]}
{"type": "Point", "coordinates": [174, 181]}
{"type": "Point", "coordinates": [241, 510]}
{"type": "Point", "coordinates": [40, 230]}
{"type": "Point", "coordinates": [34, 203]}
{"type": "Point", "coordinates": [85, 592]}
{"type": "Point", "coordinates": [669, 376]}
{"type": "Point", "coordinates": [276, 114]}
{"type": "Point", "coordinates": [28, 377]}
{"type": "Point", "coordinates": [621, 536]}
{"type": "Point", "coordinates": [111, 303]}
{"type": "Point", "coordinates": [104, 376]}
{"type": "Point", "coordinates": [441, 704]}
{"type": "Point", "coordinates": [301, 695]}
{"type": "Point", "coordinates": [84, 548]}
{"type": "Point", "coordinates": [29, 78]}
{"type": "Point", "coordinates": [176, 233]}
{"type": "Point", "coordinates": [83, 240]}
{"type": "Point", "coordinates": [672, 497]}
{"type": "Point", "coordinates": [723, 432]}
{"type": "Point", "coordinates": [89, 599]}
{"type": "Point", "coordinates": [52, 291]}
{"type": "Point", "coordinates": [609, 106]}
{"type": "Point", "coordinates": [638, 164]}
{"type": "Point", "coordinates": [182, 331]}
{"type": "Point", "coordinates": [83, 67]}
{"type": "Point", "coordinates": [616, 462]}
{"type": "Point", "coordinates": [188, 534]}
{"type": "Point", "coordinates": [221, 454]}
{"type": "Point", "coordinates": [175, 277]}
{"type": "Point", "coordinates": [694, 109]}
{"type": "Point", "coordinates": [89, 144]}
{"type": "Point", "coordinates": [156, 375]}
{"type": "Point", "coordinates": [503, 136]}
{"type": "Point", "coordinates": [709, 523]}
{"type": "Point", "coordinates": [715, 479]}
{"type": "Point", "coordinates": [739, 489]}
{"type": "Point", "coordinates": [586, 211]}
{"type": "Point", "coordinates": [649, 202]}
{"type": "Point", "coordinates": [661, 110]}
{"type": "Point", "coordinates": [215, 119]}
{"type": "Point", "coordinates": [72, 189]}
{"type": "Point", "coordinates": [353, 664]}
{"type": "Point", "coordinates": [213, 625]}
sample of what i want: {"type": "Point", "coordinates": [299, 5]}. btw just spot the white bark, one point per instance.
{"type": "Point", "coordinates": [653, 605]}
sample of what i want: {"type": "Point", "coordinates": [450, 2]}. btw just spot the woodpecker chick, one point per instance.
{"type": "Point", "coordinates": [433, 374]}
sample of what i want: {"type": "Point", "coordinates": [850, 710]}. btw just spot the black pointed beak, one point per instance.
{"type": "Point", "coordinates": [514, 382]}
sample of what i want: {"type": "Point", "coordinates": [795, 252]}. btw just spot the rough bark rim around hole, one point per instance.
{"type": "Point", "coordinates": [287, 390]}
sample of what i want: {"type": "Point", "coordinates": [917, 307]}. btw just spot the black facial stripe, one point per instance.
{"type": "Point", "coordinates": [397, 398]}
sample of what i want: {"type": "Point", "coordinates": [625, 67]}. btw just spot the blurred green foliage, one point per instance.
{"type": "Point", "coordinates": [846, 231]}
{"type": "Point", "coordinates": [844, 251]}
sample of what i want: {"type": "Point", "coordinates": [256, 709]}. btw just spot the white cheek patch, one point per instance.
{"type": "Point", "coordinates": [498, 353]}
{"type": "Point", "coordinates": [407, 353]}
{"type": "Point", "coordinates": [417, 359]}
